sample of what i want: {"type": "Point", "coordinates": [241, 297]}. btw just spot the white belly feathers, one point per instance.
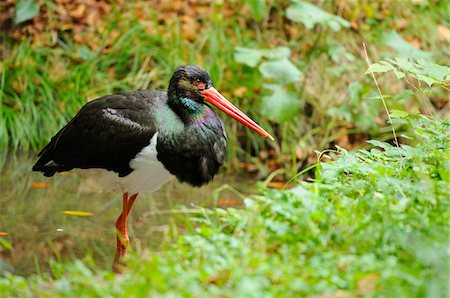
{"type": "Point", "coordinates": [148, 173]}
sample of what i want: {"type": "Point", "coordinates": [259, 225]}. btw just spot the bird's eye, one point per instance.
{"type": "Point", "coordinates": [199, 83]}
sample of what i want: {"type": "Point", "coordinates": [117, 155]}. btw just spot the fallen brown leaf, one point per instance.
{"type": "Point", "coordinates": [414, 41]}
{"type": "Point", "coordinates": [220, 278]}
{"type": "Point", "coordinates": [227, 202]}
{"type": "Point", "coordinates": [367, 284]}
{"type": "Point", "coordinates": [240, 91]}
{"type": "Point", "coordinates": [443, 33]}
{"type": "Point", "coordinates": [40, 185]}
{"type": "Point", "coordinates": [279, 185]}
{"type": "Point", "coordinates": [78, 12]}
{"type": "Point", "coordinates": [401, 24]}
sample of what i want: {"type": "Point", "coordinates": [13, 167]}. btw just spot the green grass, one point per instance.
{"type": "Point", "coordinates": [374, 223]}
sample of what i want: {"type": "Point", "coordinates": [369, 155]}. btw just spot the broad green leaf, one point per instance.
{"type": "Point", "coordinates": [433, 73]}
{"type": "Point", "coordinates": [26, 10]}
{"type": "Point", "coordinates": [277, 53]}
{"type": "Point", "coordinates": [398, 114]}
{"type": "Point", "coordinates": [429, 80]}
{"type": "Point", "coordinates": [403, 48]}
{"type": "Point", "coordinates": [258, 8]}
{"type": "Point", "coordinates": [437, 71]}
{"type": "Point", "coordinates": [248, 56]}
{"type": "Point", "coordinates": [384, 66]}
{"type": "Point", "coordinates": [283, 71]}
{"type": "Point", "coordinates": [252, 57]}
{"type": "Point", "coordinates": [309, 15]}
{"type": "Point", "coordinates": [403, 62]}
{"type": "Point", "coordinates": [281, 106]}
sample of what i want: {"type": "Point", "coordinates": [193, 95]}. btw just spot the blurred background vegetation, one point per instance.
{"type": "Point", "coordinates": [296, 67]}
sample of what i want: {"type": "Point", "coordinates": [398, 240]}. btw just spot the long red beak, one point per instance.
{"type": "Point", "coordinates": [214, 97]}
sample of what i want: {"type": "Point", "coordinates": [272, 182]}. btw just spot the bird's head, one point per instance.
{"type": "Point", "coordinates": [189, 82]}
{"type": "Point", "coordinates": [194, 83]}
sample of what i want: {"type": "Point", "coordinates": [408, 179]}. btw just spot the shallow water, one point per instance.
{"type": "Point", "coordinates": [33, 221]}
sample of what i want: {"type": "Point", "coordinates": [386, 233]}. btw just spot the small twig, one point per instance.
{"type": "Point", "coordinates": [381, 95]}
{"type": "Point", "coordinates": [272, 175]}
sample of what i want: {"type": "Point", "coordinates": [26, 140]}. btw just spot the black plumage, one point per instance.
{"type": "Point", "coordinates": [194, 155]}
{"type": "Point", "coordinates": [106, 133]}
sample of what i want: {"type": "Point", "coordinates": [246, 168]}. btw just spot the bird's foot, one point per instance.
{"type": "Point", "coordinates": [123, 241]}
{"type": "Point", "coordinates": [118, 264]}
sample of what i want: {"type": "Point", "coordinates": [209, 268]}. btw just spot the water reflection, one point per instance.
{"type": "Point", "coordinates": [32, 215]}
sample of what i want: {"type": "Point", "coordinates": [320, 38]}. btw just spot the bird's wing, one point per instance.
{"type": "Point", "coordinates": [106, 133]}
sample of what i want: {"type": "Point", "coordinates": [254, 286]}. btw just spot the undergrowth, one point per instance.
{"type": "Point", "coordinates": [373, 223]}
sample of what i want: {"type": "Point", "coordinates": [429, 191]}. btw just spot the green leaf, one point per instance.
{"type": "Point", "coordinates": [281, 106]}
{"type": "Point", "coordinates": [258, 8]}
{"type": "Point", "coordinates": [404, 94]}
{"type": "Point", "coordinates": [429, 80]}
{"type": "Point", "coordinates": [432, 73]}
{"type": "Point", "coordinates": [433, 70]}
{"type": "Point", "coordinates": [282, 71]}
{"type": "Point", "coordinates": [384, 66]}
{"type": "Point", "coordinates": [252, 57]}
{"type": "Point", "coordinates": [403, 62]}
{"type": "Point", "coordinates": [277, 53]}
{"type": "Point", "coordinates": [26, 10]}
{"type": "Point", "coordinates": [398, 114]}
{"type": "Point", "coordinates": [402, 47]}
{"type": "Point", "coordinates": [248, 56]}
{"type": "Point", "coordinates": [4, 243]}
{"type": "Point", "coordinates": [309, 15]}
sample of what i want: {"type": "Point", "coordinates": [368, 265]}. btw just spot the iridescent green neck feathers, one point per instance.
{"type": "Point", "coordinates": [187, 109]}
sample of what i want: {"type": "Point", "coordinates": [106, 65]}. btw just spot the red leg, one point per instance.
{"type": "Point", "coordinates": [131, 202]}
{"type": "Point", "coordinates": [122, 235]}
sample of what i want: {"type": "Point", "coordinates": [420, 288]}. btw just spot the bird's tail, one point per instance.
{"type": "Point", "coordinates": [45, 163]}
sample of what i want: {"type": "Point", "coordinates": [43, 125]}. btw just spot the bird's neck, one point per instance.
{"type": "Point", "coordinates": [187, 109]}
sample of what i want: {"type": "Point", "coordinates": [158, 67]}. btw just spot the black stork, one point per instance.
{"type": "Point", "coordinates": [136, 141]}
